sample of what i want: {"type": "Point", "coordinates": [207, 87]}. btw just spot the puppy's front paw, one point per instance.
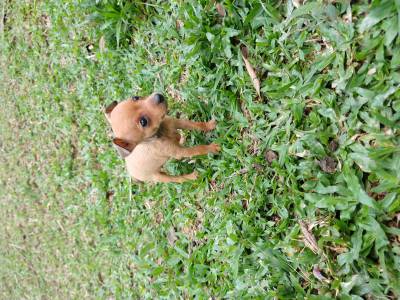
{"type": "Point", "coordinates": [210, 125]}
{"type": "Point", "coordinates": [192, 176]}
{"type": "Point", "coordinates": [214, 148]}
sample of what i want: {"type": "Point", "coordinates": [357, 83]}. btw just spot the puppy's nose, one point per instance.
{"type": "Point", "coordinates": [158, 98]}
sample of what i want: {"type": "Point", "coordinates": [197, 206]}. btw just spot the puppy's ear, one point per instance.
{"type": "Point", "coordinates": [109, 109]}
{"type": "Point", "coordinates": [123, 147]}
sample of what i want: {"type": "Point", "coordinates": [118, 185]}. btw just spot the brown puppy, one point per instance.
{"type": "Point", "coordinates": [147, 138]}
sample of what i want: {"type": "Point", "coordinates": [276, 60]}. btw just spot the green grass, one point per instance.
{"type": "Point", "coordinates": [72, 224]}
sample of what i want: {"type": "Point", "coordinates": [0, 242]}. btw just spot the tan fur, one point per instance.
{"type": "Point", "coordinates": [146, 149]}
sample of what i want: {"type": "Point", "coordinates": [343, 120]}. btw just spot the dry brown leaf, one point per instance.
{"type": "Point", "coordinates": [317, 273]}
{"type": "Point", "coordinates": [258, 167]}
{"type": "Point", "coordinates": [220, 9]}
{"type": "Point", "coordinates": [171, 236]}
{"type": "Point", "coordinates": [338, 249]}
{"type": "Point", "coordinates": [309, 239]}
{"type": "Point", "coordinates": [243, 171]}
{"type": "Point", "coordinates": [387, 131]}
{"type": "Point", "coordinates": [333, 145]}
{"type": "Point", "coordinates": [184, 76]}
{"type": "Point", "coordinates": [357, 136]}
{"type": "Point", "coordinates": [149, 204]}
{"type": "Point", "coordinates": [328, 164]}
{"type": "Point", "coordinates": [270, 156]}
{"type": "Point", "coordinates": [250, 70]}
{"type": "Point", "coordinates": [178, 24]}
{"type": "Point", "coordinates": [47, 21]}
{"type": "Point", "coordinates": [109, 196]}
{"type": "Point", "coordinates": [245, 51]}
{"type": "Point", "coordinates": [303, 154]}
{"type": "Point", "coordinates": [348, 17]}
{"type": "Point", "coordinates": [371, 71]}
{"type": "Point", "coordinates": [174, 93]}
{"type": "Point", "coordinates": [102, 44]}
{"type": "Point", "coordinates": [159, 218]}
{"type": "Point", "coordinates": [297, 3]}
{"type": "Point", "coordinates": [245, 204]}
{"type": "Point", "coordinates": [100, 277]}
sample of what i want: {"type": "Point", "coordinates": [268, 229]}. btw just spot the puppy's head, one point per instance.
{"type": "Point", "coordinates": [135, 119]}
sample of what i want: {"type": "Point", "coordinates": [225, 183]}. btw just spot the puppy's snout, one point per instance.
{"type": "Point", "coordinates": [158, 98]}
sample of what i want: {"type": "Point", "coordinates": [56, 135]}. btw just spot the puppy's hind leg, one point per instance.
{"type": "Point", "coordinates": [162, 177]}
{"type": "Point", "coordinates": [181, 152]}
{"type": "Point", "coordinates": [191, 125]}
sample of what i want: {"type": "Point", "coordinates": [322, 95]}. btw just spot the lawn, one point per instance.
{"type": "Point", "coordinates": [303, 202]}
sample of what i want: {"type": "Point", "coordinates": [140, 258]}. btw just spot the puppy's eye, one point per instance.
{"type": "Point", "coordinates": [143, 121]}
{"type": "Point", "coordinates": [135, 98]}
